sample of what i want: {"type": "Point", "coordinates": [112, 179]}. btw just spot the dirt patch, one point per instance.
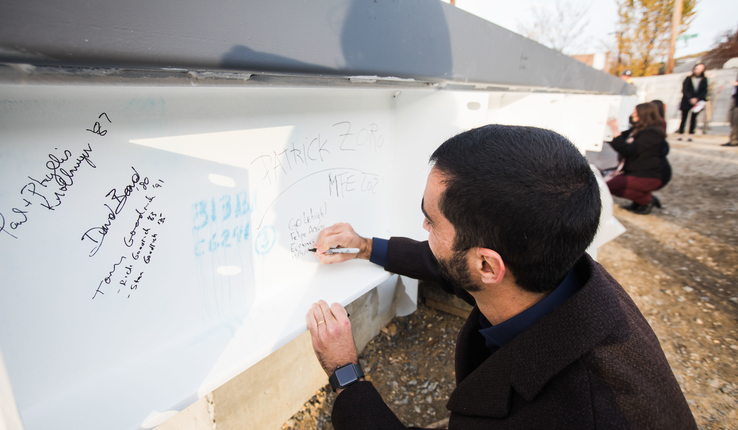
{"type": "Point", "coordinates": [680, 265]}
{"type": "Point", "coordinates": [412, 365]}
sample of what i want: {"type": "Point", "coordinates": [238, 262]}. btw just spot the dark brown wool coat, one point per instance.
{"type": "Point", "coordinates": [593, 362]}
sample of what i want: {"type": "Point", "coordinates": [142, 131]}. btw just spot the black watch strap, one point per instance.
{"type": "Point", "coordinates": [345, 375]}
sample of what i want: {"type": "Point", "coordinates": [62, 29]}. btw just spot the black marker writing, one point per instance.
{"type": "Point", "coordinates": [108, 278]}
{"type": "Point", "coordinates": [97, 128]}
{"type": "Point", "coordinates": [97, 234]}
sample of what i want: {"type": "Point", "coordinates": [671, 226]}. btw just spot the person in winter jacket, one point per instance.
{"type": "Point", "coordinates": [644, 161]}
{"type": "Point", "coordinates": [694, 90]}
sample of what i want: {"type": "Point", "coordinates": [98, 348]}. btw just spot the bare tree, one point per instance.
{"type": "Point", "coordinates": [724, 48]}
{"type": "Point", "coordinates": [559, 28]}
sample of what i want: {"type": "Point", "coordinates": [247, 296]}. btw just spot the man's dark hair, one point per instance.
{"type": "Point", "coordinates": [524, 192]}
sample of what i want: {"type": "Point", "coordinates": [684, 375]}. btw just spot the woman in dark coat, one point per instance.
{"type": "Point", "coordinates": [694, 90]}
{"type": "Point", "coordinates": [642, 149]}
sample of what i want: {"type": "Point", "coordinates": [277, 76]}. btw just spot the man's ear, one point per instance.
{"type": "Point", "coordinates": [490, 266]}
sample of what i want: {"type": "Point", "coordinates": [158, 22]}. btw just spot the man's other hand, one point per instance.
{"type": "Point", "coordinates": [341, 235]}
{"type": "Point", "coordinates": [330, 331]}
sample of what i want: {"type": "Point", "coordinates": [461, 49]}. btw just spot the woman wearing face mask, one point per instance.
{"type": "Point", "coordinates": [694, 90]}
{"type": "Point", "coordinates": [641, 148]}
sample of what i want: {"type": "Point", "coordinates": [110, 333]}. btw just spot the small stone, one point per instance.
{"type": "Point", "coordinates": [688, 289]}
{"type": "Point", "coordinates": [698, 321]}
{"type": "Point", "coordinates": [428, 399]}
{"type": "Point", "coordinates": [412, 382]}
{"type": "Point", "coordinates": [417, 409]}
{"type": "Point", "coordinates": [401, 402]}
{"type": "Point", "coordinates": [392, 329]}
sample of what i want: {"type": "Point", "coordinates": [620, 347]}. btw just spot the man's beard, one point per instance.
{"type": "Point", "coordinates": [456, 271]}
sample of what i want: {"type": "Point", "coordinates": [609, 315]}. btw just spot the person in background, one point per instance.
{"type": "Point", "coordinates": [734, 117]}
{"type": "Point", "coordinates": [665, 166]}
{"type": "Point", "coordinates": [627, 76]}
{"type": "Point", "coordinates": [662, 111]}
{"type": "Point", "coordinates": [641, 147]}
{"type": "Point", "coordinates": [694, 90]}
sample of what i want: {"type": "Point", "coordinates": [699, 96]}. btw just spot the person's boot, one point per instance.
{"type": "Point", "coordinates": [656, 201]}
{"type": "Point", "coordinates": [634, 207]}
{"type": "Point", "coordinates": [644, 209]}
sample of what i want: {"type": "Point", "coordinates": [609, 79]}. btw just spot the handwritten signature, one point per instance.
{"type": "Point", "coordinates": [97, 234]}
{"type": "Point", "coordinates": [48, 191]}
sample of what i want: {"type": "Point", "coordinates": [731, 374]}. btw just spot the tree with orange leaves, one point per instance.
{"type": "Point", "coordinates": [643, 34]}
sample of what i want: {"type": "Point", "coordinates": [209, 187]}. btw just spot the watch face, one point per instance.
{"type": "Point", "coordinates": [346, 375]}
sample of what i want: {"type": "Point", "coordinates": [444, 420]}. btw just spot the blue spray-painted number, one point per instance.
{"type": "Point", "coordinates": [224, 220]}
{"type": "Point", "coordinates": [208, 212]}
{"type": "Point", "coordinates": [223, 239]}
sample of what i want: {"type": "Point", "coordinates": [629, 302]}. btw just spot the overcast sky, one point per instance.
{"type": "Point", "coordinates": [713, 17]}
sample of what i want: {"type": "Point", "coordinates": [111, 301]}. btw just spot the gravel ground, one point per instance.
{"type": "Point", "coordinates": [680, 266]}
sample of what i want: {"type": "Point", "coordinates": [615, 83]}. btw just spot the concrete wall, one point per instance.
{"type": "Point", "coordinates": [668, 88]}
{"type": "Point", "coordinates": [267, 394]}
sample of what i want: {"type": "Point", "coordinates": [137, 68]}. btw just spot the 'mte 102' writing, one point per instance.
{"type": "Point", "coordinates": [48, 191]}
{"type": "Point", "coordinates": [223, 221]}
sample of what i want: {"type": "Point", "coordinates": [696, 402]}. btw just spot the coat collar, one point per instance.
{"type": "Point", "coordinates": [539, 353]}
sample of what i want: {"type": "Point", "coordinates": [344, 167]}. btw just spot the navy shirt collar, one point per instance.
{"type": "Point", "coordinates": [497, 336]}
